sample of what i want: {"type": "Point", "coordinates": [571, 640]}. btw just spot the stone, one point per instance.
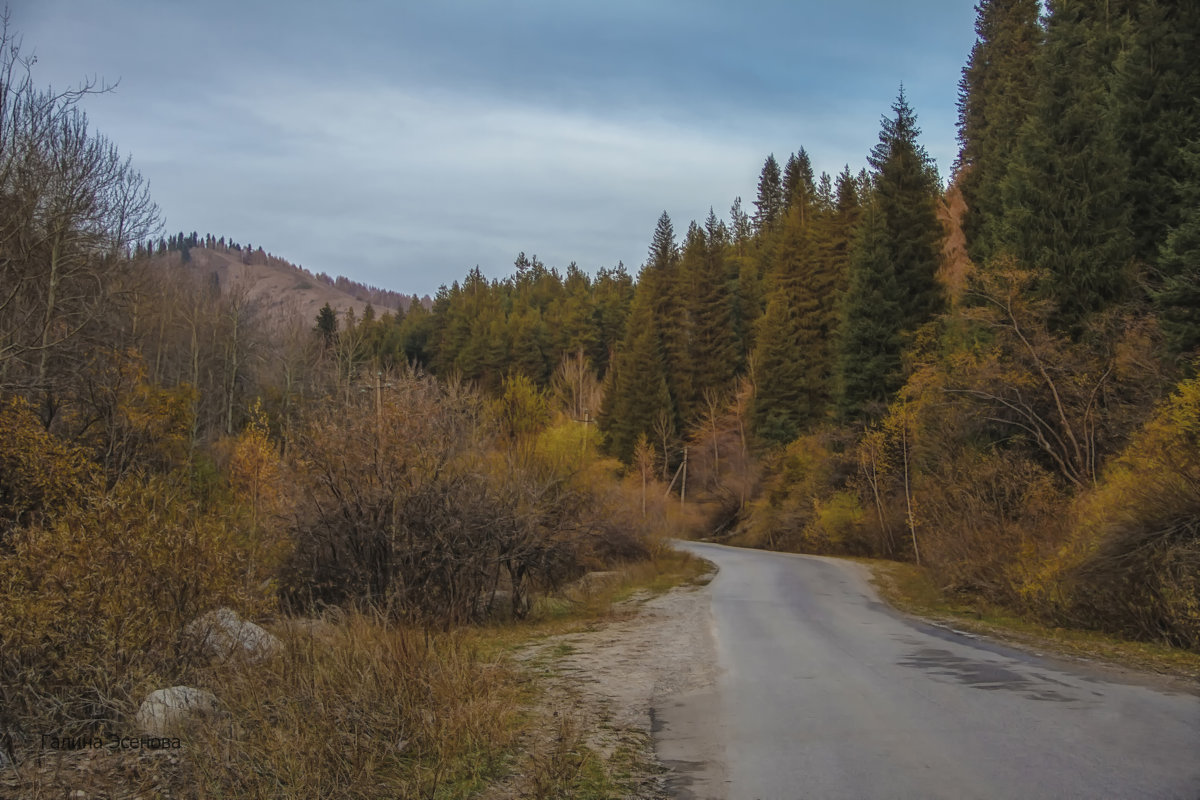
{"type": "Point", "coordinates": [166, 712]}
{"type": "Point", "coordinates": [223, 634]}
{"type": "Point", "coordinates": [495, 605]}
{"type": "Point", "coordinates": [594, 581]}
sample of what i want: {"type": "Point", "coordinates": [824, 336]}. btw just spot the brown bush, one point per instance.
{"type": "Point", "coordinates": [406, 503]}
{"type": "Point", "coordinates": [1134, 563]}
{"type": "Point", "coordinates": [92, 606]}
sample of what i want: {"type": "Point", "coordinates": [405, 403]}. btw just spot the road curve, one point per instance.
{"type": "Point", "coordinates": [826, 693]}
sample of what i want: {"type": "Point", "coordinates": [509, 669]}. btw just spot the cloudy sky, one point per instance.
{"type": "Point", "coordinates": [402, 143]}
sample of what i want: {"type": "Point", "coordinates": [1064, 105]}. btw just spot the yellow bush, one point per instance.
{"type": "Point", "coordinates": [39, 473]}
{"type": "Point", "coordinates": [92, 605]}
{"type": "Point", "coordinates": [1133, 565]}
{"type": "Point", "coordinates": [837, 519]}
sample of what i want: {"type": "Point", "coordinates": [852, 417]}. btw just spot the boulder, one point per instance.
{"type": "Point", "coordinates": [594, 581]}
{"type": "Point", "coordinates": [223, 634]}
{"type": "Point", "coordinates": [494, 605]}
{"type": "Point", "coordinates": [166, 712]}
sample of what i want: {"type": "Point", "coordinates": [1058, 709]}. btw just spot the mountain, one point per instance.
{"type": "Point", "coordinates": [276, 284]}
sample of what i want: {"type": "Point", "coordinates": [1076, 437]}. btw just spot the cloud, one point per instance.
{"type": "Point", "coordinates": [402, 144]}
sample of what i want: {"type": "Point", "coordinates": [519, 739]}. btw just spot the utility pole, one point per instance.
{"type": "Point", "coordinates": [683, 485]}
{"type": "Point", "coordinates": [587, 420]}
{"type": "Point", "coordinates": [378, 411]}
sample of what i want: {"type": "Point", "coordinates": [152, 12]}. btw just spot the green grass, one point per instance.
{"type": "Point", "coordinates": [910, 589]}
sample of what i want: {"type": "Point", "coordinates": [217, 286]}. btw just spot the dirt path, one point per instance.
{"type": "Point", "coordinates": [603, 686]}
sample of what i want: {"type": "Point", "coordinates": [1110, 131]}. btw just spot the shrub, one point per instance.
{"type": "Point", "coordinates": [92, 605]}
{"type": "Point", "coordinates": [1134, 564]}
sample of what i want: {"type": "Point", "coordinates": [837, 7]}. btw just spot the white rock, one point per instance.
{"type": "Point", "coordinates": [166, 711]}
{"type": "Point", "coordinates": [223, 634]}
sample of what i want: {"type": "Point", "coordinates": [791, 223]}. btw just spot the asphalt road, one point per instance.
{"type": "Point", "coordinates": [824, 692]}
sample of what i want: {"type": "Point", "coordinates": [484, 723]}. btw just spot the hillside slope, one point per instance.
{"type": "Point", "coordinates": [278, 286]}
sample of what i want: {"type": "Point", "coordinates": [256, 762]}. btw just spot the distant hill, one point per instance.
{"type": "Point", "coordinates": [276, 284]}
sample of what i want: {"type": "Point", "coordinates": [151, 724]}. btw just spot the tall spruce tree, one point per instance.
{"type": "Point", "coordinates": [1178, 297]}
{"type": "Point", "coordinates": [799, 187]}
{"type": "Point", "coordinates": [669, 296]}
{"type": "Point", "coordinates": [636, 386]}
{"type": "Point", "coordinates": [1156, 110]}
{"type": "Point", "coordinates": [893, 286]}
{"type": "Point", "coordinates": [652, 375]}
{"type": "Point", "coordinates": [715, 353]}
{"type": "Point", "coordinates": [994, 98]}
{"type": "Point", "coordinates": [770, 201]}
{"type": "Point", "coordinates": [787, 359]}
{"type": "Point", "coordinates": [1065, 204]}
{"type": "Point", "coordinates": [869, 368]}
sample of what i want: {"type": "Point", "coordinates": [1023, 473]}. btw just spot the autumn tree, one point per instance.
{"type": "Point", "coordinates": [71, 207]}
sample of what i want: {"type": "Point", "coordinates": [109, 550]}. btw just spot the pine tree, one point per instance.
{"type": "Point", "coordinates": [869, 365]}
{"type": "Point", "coordinates": [714, 350]}
{"type": "Point", "coordinates": [668, 293]}
{"type": "Point", "coordinates": [636, 386]}
{"type": "Point", "coordinates": [799, 187]}
{"type": "Point", "coordinates": [1156, 114]}
{"type": "Point", "coordinates": [793, 359]}
{"type": "Point", "coordinates": [994, 98]}
{"type": "Point", "coordinates": [327, 324]}
{"type": "Point", "coordinates": [893, 288]}
{"type": "Point", "coordinates": [1065, 210]}
{"type": "Point", "coordinates": [652, 374]}
{"type": "Point", "coordinates": [612, 293]}
{"type": "Point", "coordinates": [906, 192]}
{"type": "Point", "coordinates": [1178, 298]}
{"type": "Point", "coordinates": [770, 202]}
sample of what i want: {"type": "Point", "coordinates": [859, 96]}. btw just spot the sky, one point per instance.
{"type": "Point", "coordinates": [403, 143]}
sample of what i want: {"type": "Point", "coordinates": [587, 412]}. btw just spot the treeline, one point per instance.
{"type": "Point", "coordinates": [981, 416]}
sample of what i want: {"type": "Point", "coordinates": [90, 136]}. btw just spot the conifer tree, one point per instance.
{"type": "Point", "coordinates": [1065, 210]}
{"type": "Point", "coordinates": [799, 185]}
{"type": "Point", "coordinates": [714, 347]}
{"type": "Point", "coordinates": [793, 359]}
{"type": "Point", "coordinates": [636, 385]}
{"type": "Point", "coordinates": [906, 190]}
{"type": "Point", "coordinates": [746, 275]}
{"type": "Point", "coordinates": [1156, 112]}
{"type": "Point", "coordinates": [740, 226]}
{"type": "Point", "coordinates": [668, 292]}
{"type": "Point", "coordinates": [327, 324]}
{"type": "Point", "coordinates": [893, 288]}
{"type": "Point", "coordinates": [869, 365]}
{"type": "Point", "coordinates": [770, 201]}
{"type": "Point", "coordinates": [1178, 298]}
{"type": "Point", "coordinates": [612, 295]}
{"type": "Point", "coordinates": [994, 97]}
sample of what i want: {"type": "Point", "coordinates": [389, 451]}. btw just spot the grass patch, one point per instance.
{"type": "Point", "coordinates": [357, 706]}
{"type": "Point", "coordinates": [910, 589]}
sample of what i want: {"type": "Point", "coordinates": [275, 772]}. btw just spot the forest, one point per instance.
{"type": "Point", "coordinates": [993, 377]}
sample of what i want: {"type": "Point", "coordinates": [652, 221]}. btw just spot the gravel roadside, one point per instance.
{"type": "Point", "coordinates": [604, 687]}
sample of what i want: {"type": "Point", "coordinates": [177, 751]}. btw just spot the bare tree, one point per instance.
{"type": "Point", "coordinates": [70, 208]}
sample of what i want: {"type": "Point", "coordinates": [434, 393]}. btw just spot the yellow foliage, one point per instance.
{"type": "Point", "coordinates": [1133, 564]}
{"type": "Point", "coordinates": [39, 473]}
{"type": "Point", "coordinates": [837, 518]}
{"type": "Point", "coordinates": [92, 605]}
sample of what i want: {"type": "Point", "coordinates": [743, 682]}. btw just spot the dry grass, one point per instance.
{"type": "Point", "coordinates": [910, 589]}
{"type": "Point", "coordinates": [357, 706]}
